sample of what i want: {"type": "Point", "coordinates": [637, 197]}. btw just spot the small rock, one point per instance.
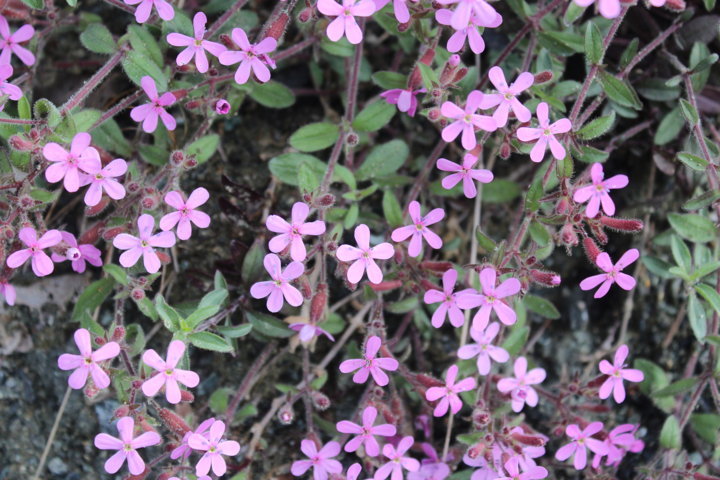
{"type": "Point", "coordinates": [57, 466]}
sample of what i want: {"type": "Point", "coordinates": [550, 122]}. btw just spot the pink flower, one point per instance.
{"type": "Point", "coordinates": [370, 364]}
{"type": "Point", "coordinates": [308, 331]}
{"type": "Point", "coordinates": [195, 46]}
{"type": "Point", "coordinates": [466, 9]}
{"type": "Point", "coordinates": [616, 374]}
{"type": "Point", "coordinates": [512, 467]}
{"type": "Point", "coordinates": [397, 460]}
{"type": "Point", "coordinates": [9, 43]}
{"type": "Point", "coordinates": [448, 394]}
{"type": "Point", "coordinates": [65, 164]}
{"type": "Point", "coordinates": [608, 8]}
{"type": "Point", "coordinates": [88, 361]}
{"type": "Point", "coordinates": [183, 450]}
{"type": "Point", "coordinates": [545, 135]}
{"type": "Point", "coordinates": [403, 98]}
{"type": "Point", "coordinates": [279, 287]}
{"type": "Point", "coordinates": [6, 88]}
{"type": "Point", "coordinates": [491, 299]}
{"type": "Point", "coordinates": [41, 263]}
{"type": "Point", "coordinates": [353, 471]}
{"type": "Point", "coordinates": [431, 468]}
{"type": "Point", "coordinates": [471, 33]}
{"type": "Point", "coordinates": [126, 446]}
{"type": "Point", "coordinates": [464, 172]}
{"type": "Point", "coordinates": [214, 447]}
{"type": "Point", "coordinates": [222, 107]}
{"type": "Point", "coordinates": [149, 113]}
{"type": "Point", "coordinates": [465, 121]}
{"type": "Point", "coordinates": [519, 386]}
{"type": "Point", "coordinates": [78, 254]}
{"type": "Point", "coordinates": [144, 245]}
{"type": "Point", "coordinates": [366, 433]}
{"type": "Point", "coordinates": [167, 375]}
{"type": "Point", "coordinates": [449, 306]}
{"type": "Point", "coordinates": [506, 98]}
{"type": "Point", "coordinates": [102, 178]}
{"type": "Point", "coordinates": [7, 291]}
{"type": "Point", "coordinates": [321, 462]}
{"type": "Point", "coordinates": [619, 441]}
{"type": "Point", "coordinates": [252, 56]}
{"type": "Point", "coordinates": [186, 213]}
{"type": "Point", "coordinates": [292, 233]}
{"type": "Point", "coordinates": [418, 230]}
{"type": "Point", "coordinates": [599, 192]}
{"type": "Point", "coordinates": [484, 349]}
{"type": "Point", "coordinates": [613, 273]}
{"type": "Point", "coordinates": [400, 8]}
{"type": "Point", "coordinates": [142, 13]}
{"type": "Point", "coordinates": [582, 441]}
{"type": "Point", "coordinates": [363, 256]}
{"type": "Point", "coordinates": [344, 23]}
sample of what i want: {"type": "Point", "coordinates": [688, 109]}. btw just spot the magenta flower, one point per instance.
{"type": "Point", "coordinates": [608, 8]}
{"type": "Point", "coordinates": [214, 447]}
{"type": "Point", "coordinates": [483, 348]}
{"type": "Point", "coordinates": [183, 450]}
{"type": "Point", "coordinates": [222, 107]}
{"type": "Point", "coordinates": [616, 374]}
{"type": "Point", "coordinates": [470, 33]}
{"type": "Point", "coordinates": [292, 233]}
{"type": "Point", "coordinates": [506, 98]}
{"type": "Point", "coordinates": [279, 287]}
{"type": "Point", "coordinates": [308, 331]}
{"type": "Point", "coordinates": [545, 135]}
{"type": "Point", "coordinates": [613, 273]}
{"type": "Point", "coordinates": [10, 43]}
{"type": "Point", "coordinates": [397, 461]}
{"type": "Point", "coordinates": [465, 121]}
{"type": "Point", "coordinates": [465, 9]}
{"type": "Point", "coordinates": [449, 306]}
{"type": "Point", "coordinates": [149, 113]}
{"type": "Point", "coordinates": [405, 99]}
{"type": "Point", "coordinates": [102, 178]}
{"type": "Point", "coordinates": [619, 441]}
{"type": "Point", "coordinates": [418, 230]}
{"type": "Point", "coordinates": [581, 442]}
{"type": "Point", "coordinates": [7, 291]}
{"type": "Point", "coordinates": [464, 172]}
{"type": "Point", "coordinates": [195, 46]}
{"type": "Point", "coordinates": [366, 433]}
{"type": "Point", "coordinates": [252, 57]}
{"type": "Point", "coordinates": [41, 263]}
{"type": "Point", "coordinates": [370, 364]}
{"type": "Point", "coordinates": [6, 88]}
{"type": "Point", "coordinates": [144, 245]}
{"type": "Point", "coordinates": [345, 23]}
{"type": "Point", "coordinates": [167, 375]}
{"type": "Point", "coordinates": [519, 387]}
{"type": "Point", "coordinates": [491, 299]}
{"type": "Point", "coordinates": [78, 254]}
{"type": "Point", "coordinates": [599, 192]}
{"type": "Point", "coordinates": [87, 363]}
{"type": "Point", "coordinates": [512, 467]}
{"type": "Point", "coordinates": [126, 446]}
{"type": "Point", "coordinates": [363, 256]}
{"type": "Point", "coordinates": [186, 213]}
{"type": "Point", "coordinates": [321, 462]}
{"type": "Point", "coordinates": [142, 13]}
{"type": "Point", "coordinates": [448, 394]}
{"type": "Point", "coordinates": [65, 164]}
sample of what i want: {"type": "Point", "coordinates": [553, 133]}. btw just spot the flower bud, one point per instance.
{"type": "Point", "coordinates": [305, 287]}
{"type": "Point", "coordinates": [477, 450]}
{"type": "Point", "coordinates": [402, 27]}
{"type": "Point", "coordinates": [99, 208]}
{"type": "Point", "coordinates": [386, 285]}
{"type": "Point", "coordinates": [118, 334]}
{"type": "Point", "coordinates": [318, 304]}
{"type": "Point", "coordinates": [227, 41]}
{"type": "Point", "coordinates": [454, 60]}
{"type": "Point", "coordinates": [164, 257]}
{"type": "Point", "coordinates": [173, 422]}
{"type": "Point", "coordinates": [121, 411]}
{"type": "Point", "coordinates": [19, 143]}
{"type": "Point", "coordinates": [549, 279]}
{"type": "Point", "coordinates": [305, 15]}
{"type": "Point", "coordinates": [277, 28]}
{"type": "Point", "coordinates": [177, 157]}
{"type": "Point", "coordinates": [440, 267]}
{"type": "Point", "coordinates": [568, 236]}
{"type": "Point", "coordinates": [563, 205]}
{"type": "Point", "coordinates": [480, 419]}
{"type": "Point", "coordinates": [622, 224]}
{"type": "Point", "coordinates": [591, 249]}
{"type": "Point", "coordinates": [320, 401]}
{"type": "Point", "coordinates": [677, 5]}
{"type": "Point", "coordinates": [99, 341]}
{"type": "Point", "coordinates": [185, 68]}
{"type": "Point", "coordinates": [111, 233]}
{"type": "Point", "coordinates": [132, 187]}
{"type": "Point", "coordinates": [193, 104]}
{"type": "Point", "coordinates": [286, 415]}
{"type": "Point", "coordinates": [598, 232]}
{"type": "Point", "coordinates": [179, 94]}
{"type": "Point", "coordinates": [326, 201]}
{"type": "Point", "coordinates": [352, 139]}
{"type": "Point", "coordinates": [137, 294]}
{"type": "Point", "coordinates": [460, 74]}
{"type": "Point", "coordinates": [428, 381]}
{"type": "Point", "coordinates": [543, 77]}
{"type": "Point", "coordinates": [91, 390]}
{"type": "Point", "coordinates": [505, 150]}
{"type": "Point", "coordinates": [190, 163]}
{"type": "Point", "coordinates": [434, 114]}
{"type": "Point", "coordinates": [222, 107]}
{"type": "Point", "coordinates": [8, 233]}
{"type": "Point", "coordinates": [529, 440]}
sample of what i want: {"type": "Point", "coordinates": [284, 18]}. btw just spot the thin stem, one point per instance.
{"type": "Point", "coordinates": [117, 108]}
{"type": "Point", "coordinates": [53, 432]}
{"type": "Point", "coordinates": [18, 121]}
{"type": "Point", "coordinates": [224, 18]}
{"type": "Point", "coordinates": [248, 381]}
{"type": "Point", "coordinates": [93, 82]}
{"type": "Point", "coordinates": [422, 176]}
{"type": "Point", "coordinates": [295, 49]}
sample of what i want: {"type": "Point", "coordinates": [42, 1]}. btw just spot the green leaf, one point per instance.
{"type": "Point", "coordinates": [147, 308]}
{"type": "Point", "coordinates": [407, 304]}
{"type": "Point", "coordinates": [391, 209]}
{"type": "Point", "coordinates": [389, 80]}
{"type": "Point", "coordinates": [219, 400]}
{"type": "Point", "coordinates": [516, 339]}
{"type": "Point", "coordinates": [697, 317]}
{"type": "Point", "coordinates": [137, 65]}
{"type": "Point", "coordinates": [656, 90]}
{"type": "Point", "coordinates": [710, 295]}
{"type": "Point", "coordinates": [670, 435]}
{"type": "Point", "coordinates": [252, 263]}
{"type": "Point", "coordinates": [285, 167]}
{"type": "Point", "coordinates": [539, 233]}
{"type": "Point", "coordinates": [693, 161]}
{"type": "Point", "coordinates": [210, 341]}
{"type": "Point", "coordinates": [689, 112]}
{"type": "Point", "coordinates": [681, 253]}
{"type": "Point", "coordinates": [593, 44]}
{"type": "Point", "coordinates": [268, 325]}
{"type": "Point", "coordinates": [341, 48]}
{"type": "Point", "coordinates": [588, 154]}
{"type": "Point", "coordinates": [384, 159]}
{"type": "Point", "coordinates": [657, 266]}
{"type": "Point", "coordinates": [500, 190]}
{"type": "Point", "coordinates": [706, 425]}
{"type": "Point", "coordinates": [235, 331]}
{"type": "Point", "coordinates": [110, 137]}
{"type": "Point", "coordinates": [701, 201]}
{"type": "Point", "coordinates": [315, 136]}
{"type": "Point", "coordinates": [272, 94]}
{"type": "Point", "coordinates": [598, 127]}
{"type": "Point", "coordinates": [143, 41]}
{"type": "Point", "coordinates": [709, 6]}
{"type": "Point", "coordinates": [693, 227]}
{"type": "Point", "coordinates": [541, 306]}
{"type": "Point", "coordinates": [307, 180]}
{"type": "Point", "coordinates": [170, 317]}
{"type": "Point", "coordinates": [98, 39]}
{"type": "Point", "coordinates": [619, 91]}
{"type": "Point", "coordinates": [351, 216]}
{"type": "Point", "coordinates": [669, 127]}
{"type": "Point", "coordinates": [36, 4]}
{"type": "Point", "coordinates": [374, 116]}
{"type": "Point", "coordinates": [135, 337]}
{"type": "Point", "coordinates": [429, 77]}
{"type": "Point", "coordinates": [676, 388]}
{"type": "Point", "coordinates": [92, 297]}
{"type": "Point", "coordinates": [45, 110]}
{"type": "Point", "coordinates": [154, 154]}
{"type": "Point", "coordinates": [116, 272]}
{"type": "Point", "coordinates": [562, 43]}
{"type": "Point", "coordinates": [204, 147]}
{"type": "Point", "coordinates": [485, 242]}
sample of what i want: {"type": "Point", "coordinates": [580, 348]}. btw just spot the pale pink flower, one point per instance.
{"type": "Point", "coordinates": [397, 460]}
{"type": "Point", "coordinates": [78, 254]}
{"type": "Point", "coordinates": [483, 348]}
{"type": "Point", "coordinates": [366, 432]}
{"type": "Point", "coordinates": [431, 468]}
{"type": "Point", "coordinates": [149, 113]}
{"type": "Point", "coordinates": [449, 306]}
{"type": "Point", "coordinates": [619, 441]}
{"type": "Point", "coordinates": [41, 263]}
{"type": "Point", "coordinates": [321, 461]}
{"type": "Point", "coordinates": [581, 441]}
{"type": "Point", "coordinates": [448, 395]}
{"type": "Point", "coordinates": [485, 470]}
{"type": "Point", "coordinates": [345, 23]}
{"type": "Point", "coordinates": [102, 178]}
{"type": "Point", "coordinates": [370, 364]}
{"type": "Point", "coordinates": [465, 9]}
{"type": "Point", "coordinates": [144, 245]}
{"type": "Point", "coordinates": [363, 256]}
{"type": "Point", "coordinates": [9, 43]}
{"type": "Point", "coordinates": [87, 363]}
{"type": "Point", "coordinates": [400, 8]}
{"type": "Point", "coordinates": [470, 34]}
{"type": "Point", "coordinates": [613, 273]}
{"type": "Point", "coordinates": [506, 98]}
{"type": "Point", "coordinates": [466, 120]}
{"type": "Point", "coordinates": [308, 331]}
{"type": "Point", "coordinates": [545, 135]}
{"type": "Point", "coordinates": [492, 298]}
{"type": "Point", "coordinates": [353, 471]}
{"type": "Point", "coordinates": [6, 88]}
{"type": "Point", "coordinates": [405, 99]}
{"type": "Point", "coordinates": [167, 375]}
{"type": "Point", "coordinates": [7, 291]}
{"type": "Point", "coordinates": [195, 46]}
{"type": "Point", "coordinates": [599, 192]}
{"type": "Point", "coordinates": [126, 446]}
{"type": "Point", "coordinates": [142, 13]}
{"type": "Point", "coordinates": [251, 56]}
{"type": "Point", "coordinates": [464, 172]}
{"type": "Point", "coordinates": [512, 468]}
{"type": "Point", "coordinates": [183, 450]}
{"type": "Point", "coordinates": [187, 212]}
{"type": "Point", "coordinates": [279, 287]}
{"type": "Point", "coordinates": [519, 387]}
{"type": "Point", "coordinates": [616, 373]}
{"type": "Point", "coordinates": [418, 229]}
{"type": "Point", "coordinates": [222, 107]}
{"type": "Point", "coordinates": [291, 233]}
{"type": "Point", "coordinates": [214, 447]}
{"type": "Point", "coordinates": [66, 164]}
{"type": "Point", "coordinates": [608, 8]}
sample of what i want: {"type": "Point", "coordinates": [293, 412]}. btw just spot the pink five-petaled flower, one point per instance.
{"type": "Point", "coordinates": [506, 98]}
{"type": "Point", "coordinates": [308, 331]}
{"type": "Point", "coordinates": [370, 364]}
{"type": "Point", "coordinates": [214, 447]}
{"type": "Point", "coordinates": [519, 386]}
{"type": "Point", "coordinates": [366, 433]}
{"type": "Point", "coordinates": [87, 362]}
{"type": "Point", "coordinates": [251, 56]}
{"type": "Point", "coordinates": [183, 450]}
{"type": "Point", "coordinates": [466, 120]}
{"type": "Point", "coordinates": [142, 13]}
{"type": "Point", "coordinates": [512, 468]}
{"type": "Point", "coordinates": [126, 446]}
{"type": "Point", "coordinates": [102, 178]}
{"type": "Point", "coordinates": [545, 135]}
{"type": "Point", "coordinates": [465, 9]}
{"type": "Point", "coordinates": [167, 374]}
{"type": "Point", "coordinates": [484, 349]}
{"type": "Point", "coordinates": [148, 113]}
{"type": "Point", "coordinates": [7, 291]}
{"type": "Point", "coordinates": [582, 441]}
{"type": "Point", "coordinates": [6, 88]}
{"type": "Point", "coordinates": [66, 164]}
{"type": "Point", "coordinates": [186, 213]}
{"type": "Point", "coordinates": [403, 98]}
{"type": "Point", "coordinates": [491, 299]}
{"type": "Point", "coordinates": [195, 46]}
{"type": "Point", "coordinates": [321, 461]}
{"type": "Point", "coordinates": [599, 192]}
{"type": "Point", "coordinates": [344, 23]}
{"type": "Point", "coordinates": [9, 43]}
{"type": "Point", "coordinates": [608, 8]}
{"type": "Point", "coordinates": [279, 287]}
{"type": "Point", "coordinates": [78, 254]}
{"type": "Point", "coordinates": [397, 460]}
{"type": "Point", "coordinates": [363, 256]}
{"type": "Point", "coordinates": [613, 273]}
{"type": "Point", "coordinates": [292, 233]}
{"type": "Point", "coordinates": [143, 245]}
{"type": "Point", "coordinates": [471, 33]}
{"type": "Point", "coordinates": [464, 172]}
{"type": "Point", "coordinates": [41, 263]}
{"type": "Point", "coordinates": [619, 441]}
{"type": "Point", "coordinates": [616, 373]}
{"type": "Point", "coordinates": [448, 394]}
{"type": "Point", "coordinates": [449, 306]}
{"type": "Point", "coordinates": [418, 230]}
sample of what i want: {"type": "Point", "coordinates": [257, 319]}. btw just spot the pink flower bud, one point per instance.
{"type": "Point", "coordinates": [222, 107]}
{"type": "Point", "coordinates": [122, 411]}
{"type": "Point", "coordinates": [177, 157]}
{"type": "Point", "coordinates": [193, 104]}
{"type": "Point", "coordinates": [173, 422]}
{"type": "Point", "coordinates": [591, 249]}
{"type": "Point", "coordinates": [568, 236]}
{"type": "Point", "coordinates": [326, 201]}
{"type": "Point", "coordinates": [286, 415]}
{"type": "Point", "coordinates": [320, 401]}
{"type": "Point", "coordinates": [227, 41]}
{"type": "Point", "coordinates": [19, 143]}
{"type": "Point", "coordinates": [505, 150]}
{"type": "Point", "coordinates": [543, 77]}
{"type": "Point", "coordinates": [549, 279]}
{"type": "Point", "coordinates": [434, 114]}
{"type": "Point", "coordinates": [149, 203]}
{"type": "Point", "coordinates": [118, 334]}
{"type": "Point", "coordinates": [190, 163]}
{"type": "Point", "coordinates": [305, 15]}
{"type": "Point", "coordinates": [454, 60]}
{"type": "Point", "coordinates": [386, 286]}
{"type": "Point", "coordinates": [99, 208]}
{"type": "Point", "coordinates": [318, 304]}
{"type": "Point", "coordinates": [622, 224]}
{"type": "Point", "coordinates": [277, 28]}
{"type": "Point", "coordinates": [352, 139]}
{"type": "Point", "coordinates": [439, 267]}
{"type": "Point", "coordinates": [137, 294]}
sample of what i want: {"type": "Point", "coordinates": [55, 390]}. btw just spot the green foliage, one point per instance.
{"type": "Point", "coordinates": [98, 39]}
{"type": "Point", "coordinates": [315, 136]}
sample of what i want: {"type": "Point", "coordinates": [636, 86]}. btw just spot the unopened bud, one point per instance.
{"type": "Point", "coordinates": [149, 203]}
{"type": "Point", "coordinates": [111, 233]}
{"type": "Point", "coordinates": [26, 201]}
{"type": "Point", "coordinates": [121, 411]}
{"type": "Point", "coordinates": [99, 341]}
{"type": "Point", "coordinates": [19, 143]}
{"type": "Point", "coordinates": [622, 224]}
{"type": "Point", "coordinates": [428, 381]}
{"type": "Point", "coordinates": [173, 422]}
{"type": "Point", "coordinates": [318, 304]}
{"type": "Point", "coordinates": [591, 249]}
{"type": "Point", "coordinates": [99, 208]}
{"type": "Point", "coordinates": [190, 163]}
{"type": "Point", "coordinates": [222, 107]}
{"type": "Point", "coordinates": [529, 440]}
{"type": "Point", "coordinates": [440, 267]}
{"type": "Point", "coordinates": [132, 187]}
{"type": "Point", "coordinates": [480, 419]}
{"type": "Point", "coordinates": [179, 94]}
{"type": "Point", "coordinates": [91, 390]}
{"type": "Point", "coordinates": [549, 279]}
{"type": "Point", "coordinates": [477, 450]}
{"type": "Point", "coordinates": [326, 201]}
{"type": "Point", "coordinates": [137, 294]}
{"type": "Point", "coordinates": [352, 139]}
{"type": "Point", "coordinates": [227, 41]}
{"type": "Point", "coordinates": [563, 205]}
{"type": "Point", "coordinates": [185, 68]}
{"type": "Point", "coordinates": [305, 15]}
{"type": "Point", "coordinates": [118, 334]}
{"type": "Point", "coordinates": [386, 286]}
{"type": "Point", "coordinates": [320, 401]}
{"type": "Point", "coordinates": [8, 233]}
{"type": "Point", "coordinates": [402, 27]}
{"type": "Point", "coordinates": [177, 157]}
{"type": "Point", "coordinates": [434, 114]}
{"type": "Point", "coordinates": [277, 28]}
{"type": "Point", "coordinates": [186, 396]}
{"type": "Point", "coordinates": [505, 150]}
{"type": "Point", "coordinates": [460, 74]}
{"type": "Point", "coordinates": [568, 235]}
{"type": "Point", "coordinates": [543, 77]}
{"type": "Point", "coordinates": [305, 287]}
{"type": "Point", "coordinates": [193, 104]}
{"type": "Point", "coordinates": [286, 415]}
